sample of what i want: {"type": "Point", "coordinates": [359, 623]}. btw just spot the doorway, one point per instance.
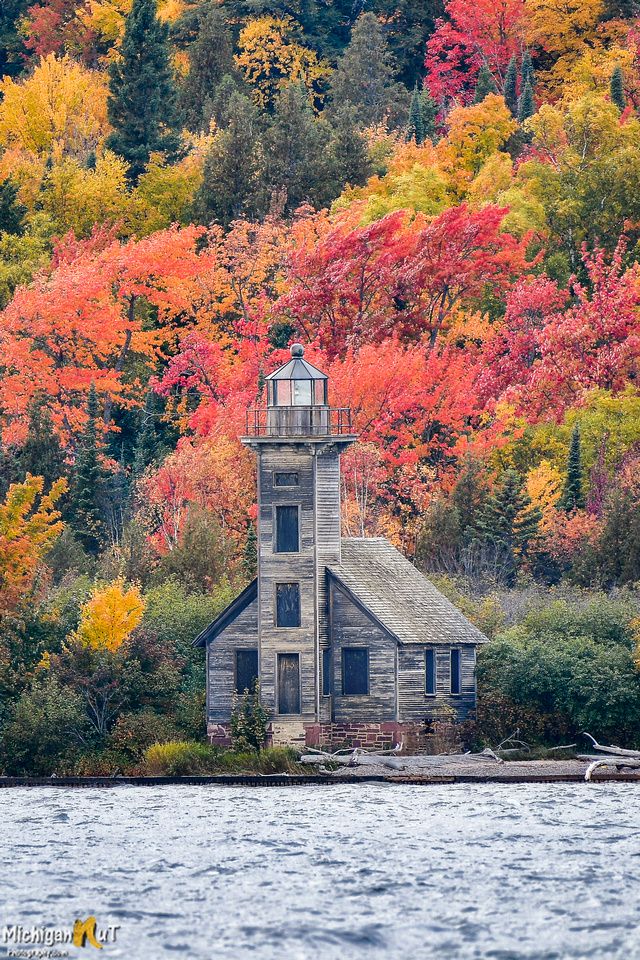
{"type": "Point", "coordinates": [288, 683]}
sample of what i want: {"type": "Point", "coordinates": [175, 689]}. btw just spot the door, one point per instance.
{"type": "Point", "coordinates": [288, 683]}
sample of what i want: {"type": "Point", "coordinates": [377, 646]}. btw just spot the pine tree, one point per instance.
{"type": "Point", "coordinates": [365, 76]}
{"type": "Point", "coordinates": [41, 453]}
{"type": "Point", "coordinates": [484, 85]}
{"type": "Point", "coordinates": [210, 60]}
{"type": "Point", "coordinates": [511, 86]}
{"type": "Point", "coordinates": [527, 73]}
{"type": "Point", "coordinates": [89, 481]}
{"type": "Point", "coordinates": [429, 115]}
{"type": "Point", "coordinates": [509, 522]}
{"type": "Point", "coordinates": [146, 445]}
{"type": "Point", "coordinates": [573, 496]}
{"type": "Point", "coordinates": [233, 168]}
{"type": "Point", "coordinates": [12, 212]}
{"type": "Point", "coordinates": [250, 558]}
{"type": "Point", "coordinates": [348, 154]}
{"type": "Point", "coordinates": [142, 100]}
{"type": "Point", "coordinates": [415, 127]}
{"type": "Point", "coordinates": [526, 104]}
{"type": "Point", "coordinates": [616, 89]}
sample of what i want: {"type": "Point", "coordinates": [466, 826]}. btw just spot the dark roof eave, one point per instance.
{"type": "Point", "coordinates": [228, 615]}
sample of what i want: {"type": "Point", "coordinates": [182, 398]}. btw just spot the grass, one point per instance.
{"type": "Point", "coordinates": [189, 758]}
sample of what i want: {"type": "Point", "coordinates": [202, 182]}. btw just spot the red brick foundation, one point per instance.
{"type": "Point", "coordinates": [414, 738]}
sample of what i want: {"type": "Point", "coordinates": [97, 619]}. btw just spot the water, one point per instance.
{"type": "Point", "coordinates": [381, 871]}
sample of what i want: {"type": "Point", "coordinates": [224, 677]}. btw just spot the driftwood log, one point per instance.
{"type": "Point", "coordinates": [609, 757]}
{"type": "Point", "coordinates": [359, 757]}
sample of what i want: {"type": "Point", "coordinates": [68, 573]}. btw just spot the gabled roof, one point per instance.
{"type": "Point", "coordinates": [398, 596]}
{"type": "Point", "coordinates": [228, 615]}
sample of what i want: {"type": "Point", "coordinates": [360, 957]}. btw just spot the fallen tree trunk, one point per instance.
{"type": "Point", "coordinates": [613, 761]}
{"type": "Point", "coordinates": [616, 751]}
{"type": "Point", "coordinates": [359, 757]}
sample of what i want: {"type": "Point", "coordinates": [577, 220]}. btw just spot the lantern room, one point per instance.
{"type": "Point", "coordinates": [297, 383]}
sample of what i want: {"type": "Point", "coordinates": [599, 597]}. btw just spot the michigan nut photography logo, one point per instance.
{"type": "Point", "coordinates": [40, 942]}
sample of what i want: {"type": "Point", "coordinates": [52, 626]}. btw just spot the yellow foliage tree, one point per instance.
{"type": "Point", "coordinates": [476, 133]}
{"type": "Point", "coordinates": [563, 29]}
{"type": "Point", "coordinates": [270, 58]}
{"type": "Point", "coordinates": [29, 525]}
{"type": "Point", "coordinates": [77, 198]}
{"type": "Point", "coordinates": [110, 616]}
{"type": "Point", "coordinates": [544, 488]}
{"type": "Point", "coordinates": [59, 110]}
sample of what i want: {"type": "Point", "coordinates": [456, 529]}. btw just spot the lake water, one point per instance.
{"type": "Point", "coordinates": [388, 871]}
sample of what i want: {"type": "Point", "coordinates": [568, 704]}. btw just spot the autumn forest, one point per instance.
{"type": "Point", "coordinates": [441, 200]}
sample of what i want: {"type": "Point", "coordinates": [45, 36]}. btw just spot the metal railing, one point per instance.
{"type": "Point", "coordinates": [298, 421]}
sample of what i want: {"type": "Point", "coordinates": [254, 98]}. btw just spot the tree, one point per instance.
{"type": "Point", "coordinates": [617, 89]}
{"type": "Point", "coordinates": [11, 39]}
{"type": "Point", "coordinates": [484, 85]}
{"type": "Point", "coordinates": [142, 100]}
{"type": "Point", "coordinates": [348, 156]}
{"type": "Point", "coordinates": [210, 60]}
{"type": "Point", "coordinates": [232, 175]}
{"type": "Point", "coordinates": [511, 87]}
{"type": "Point", "coordinates": [41, 454]}
{"type": "Point", "coordinates": [271, 58]}
{"type": "Point", "coordinates": [526, 103]}
{"type": "Point", "coordinates": [365, 76]}
{"type": "Point", "coordinates": [109, 617]}
{"type": "Point", "coordinates": [29, 525]}
{"type": "Point", "coordinates": [572, 495]}
{"type": "Point", "coordinates": [508, 521]}
{"type": "Point", "coordinates": [415, 127]}
{"type": "Point", "coordinates": [12, 212]}
{"type": "Point", "coordinates": [89, 482]}
{"type": "Point", "coordinates": [527, 72]}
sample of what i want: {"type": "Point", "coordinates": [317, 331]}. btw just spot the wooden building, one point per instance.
{"type": "Point", "coordinates": [350, 642]}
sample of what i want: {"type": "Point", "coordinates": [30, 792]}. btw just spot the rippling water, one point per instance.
{"type": "Point", "coordinates": [389, 871]}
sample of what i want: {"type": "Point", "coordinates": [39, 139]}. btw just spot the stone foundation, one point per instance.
{"type": "Point", "coordinates": [437, 737]}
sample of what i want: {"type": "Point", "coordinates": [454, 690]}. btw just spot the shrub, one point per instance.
{"type": "Point", "coordinates": [248, 721]}
{"type": "Point", "coordinates": [178, 759]}
{"type": "Point", "coordinates": [134, 733]}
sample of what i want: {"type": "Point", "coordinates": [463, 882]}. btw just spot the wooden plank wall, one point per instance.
{"type": "Point", "coordinates": [240, 634]}
{"type": "Point", "coordinates": [352, 628]}
{"type": "Point", "coordinates": [327, 549]}
{"type": "Point", "coordinates": [287, 568]}
{"type": "Point", "coordinates": [413, 702]}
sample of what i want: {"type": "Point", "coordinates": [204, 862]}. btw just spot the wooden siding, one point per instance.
{"type": "Point", "coordinates": [352, 628]}
{"type": "Point", "coordinates": [297, 567]}
{"type": "Point", "coordinates": [327, 550]}
{"type": "Point", "coordinates": [413, 702]}
{"type": "Point", "coordinates": [240, 634]}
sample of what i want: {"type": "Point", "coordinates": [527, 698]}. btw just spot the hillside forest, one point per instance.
{"type": "Point", "coordinates": [440, 200]}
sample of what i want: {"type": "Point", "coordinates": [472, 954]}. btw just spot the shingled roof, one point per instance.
{"type": "Point", "coordinates": [403, 601]}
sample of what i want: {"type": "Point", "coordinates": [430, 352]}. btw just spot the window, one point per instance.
{"type": "Point", "coordinates": [326, 673]}
{"type": "Point", "coordinates": [287, 530]}
{"type": "Point", "coordinates": [455, 671]}
{"type": "Point", "coordinates": [430, 684]}
{"type": "Point", "coordinates": [355, 671]}
{"type": "Point", "coordinates": [246, 670]}
{"type": "Point", "coordinates": [289, 683]}
{"type": "Point", "coordinates": [285, 480]}
{"type": "Point", "coordinates": [287, 605]}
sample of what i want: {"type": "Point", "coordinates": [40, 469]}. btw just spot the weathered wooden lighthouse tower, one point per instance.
{"type": "Point", "coordinates": [298, 441]}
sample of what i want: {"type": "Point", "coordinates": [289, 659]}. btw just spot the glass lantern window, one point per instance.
{"type": "Point", "coordinates": [301, 393]}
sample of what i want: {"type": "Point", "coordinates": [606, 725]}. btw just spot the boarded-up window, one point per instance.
{"type": "Point", "coordinates": [287, 605]}
{"type": "Point", "coordinates": [455, 671]}
{"type": "Point", "coordinates": [355, 671]}
{"type": "Point", "coordinates": [246, 670]}
{"type": "Point", "coordinates": [326, 673]}
{"type": "Point", "coordinates": [287, 540]}
{"type": "Point", "coordinates": [286, 480]}
{"type": "Point", "coordinates": [430, 658]}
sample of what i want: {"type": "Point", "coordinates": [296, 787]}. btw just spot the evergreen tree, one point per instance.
{"type": "Point", "coordinates": [616, 89]}
{"type": "Point", "coordinates": [415, 127]}
{"type": "Point", "coordinates": [527, 73]}
{"type": "Point", "coordinates": [233, 168]}
{"type": "Point", "coordinates": [573, 496]}
{"type": "Point", "coordinates": [526, 104]}
{"type": "Point", "coordinates": [511, 86]}
{"type": "Point", "coordinates": [365, 76]}
{"type": "Point", "coordinates": [146, 446]}
{"type": "Point", "coordinates": [620, 9]}
{"type": "Point", "coordinates": [509, 522]}
{"type": "Point", "coordinates": [12, 212]}
{"type": "Point", "coordinates": [296, 152]}
{"type": "Point", "coordinates": [250, 557]}
{"type": "Point", "coordinates": [484, 85]}
{"type": "Point", "coordinates": [429, 115]}
{"type": "Point", "coordinates": [12, 51]}
{"type": "Point", "coordinates": [210, 60]}
{"type": "Point", "coordinates": [41, 453]}
{"type": "Point", "coordinates": [89, 484]}
{"type": "Point", "coordinates": [347, 152]}
{"type": "Point", "coordinates": [142, 102]}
